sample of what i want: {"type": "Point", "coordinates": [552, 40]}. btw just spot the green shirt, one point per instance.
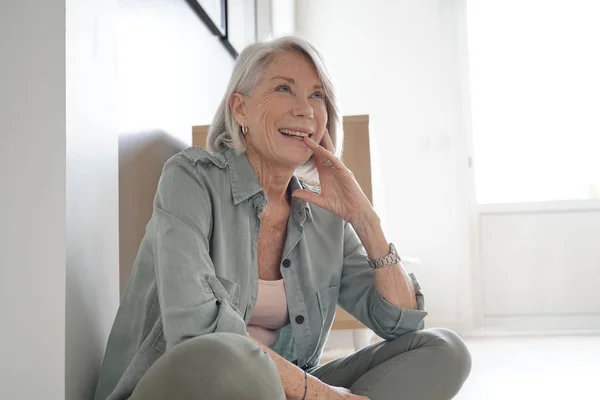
{"type": "Point", "coordinates": [196, 271]}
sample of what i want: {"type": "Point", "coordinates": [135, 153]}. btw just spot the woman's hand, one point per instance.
{"type": "Point", "coordinates": [340, 193]}
{"type": "Point", "coordinates": [339, 393]}
{"type": "Point", "coordinates": [319, 390]}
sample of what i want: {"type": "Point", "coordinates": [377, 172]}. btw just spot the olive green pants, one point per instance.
{"type": "Point", "coordinates": [431, 364]}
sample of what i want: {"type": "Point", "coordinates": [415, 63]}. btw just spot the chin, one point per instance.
{"type": "Point", "coordinates": [296, 160]}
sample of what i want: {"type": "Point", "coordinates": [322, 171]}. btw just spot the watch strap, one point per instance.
{"type": "Point", "coordinates": [390, 259]}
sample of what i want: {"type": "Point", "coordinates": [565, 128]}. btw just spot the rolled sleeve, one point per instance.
{"type": "Point", "coordinates": [394, 321]}
{"type": "Point", "coordinates": [360, 298]}
{"type": "Point", "coordinates": [192, 300]}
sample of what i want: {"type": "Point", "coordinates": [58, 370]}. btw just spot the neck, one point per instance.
{"type": "Point", "coordinates": [273, 178]}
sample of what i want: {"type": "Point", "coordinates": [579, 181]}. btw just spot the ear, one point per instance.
{"type": "Point", "coordinates": [237, 104]}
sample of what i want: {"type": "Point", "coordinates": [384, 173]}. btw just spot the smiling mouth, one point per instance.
{"type": "Point", "coordinates": [295, 134]}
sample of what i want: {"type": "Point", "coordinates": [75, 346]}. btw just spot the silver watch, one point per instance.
{"type": "Point", "coordinates": [385, 261]}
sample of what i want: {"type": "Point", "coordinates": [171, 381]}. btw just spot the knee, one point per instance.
{"type": "Point", "coordinates": [220, 366]}
{"type": "Point", "coordinates": [223, 364]}
{"type": "Point", "coordinates": [452, 352]}
{"type": "Point", "coordinates": [215, 352]}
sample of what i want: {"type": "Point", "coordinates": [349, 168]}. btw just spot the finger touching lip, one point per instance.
{"type": "Point", "coordinates": [310, 143]}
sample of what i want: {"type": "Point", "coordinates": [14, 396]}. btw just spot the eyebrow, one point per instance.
{"type": "Point", "coordinates": [293, 82]}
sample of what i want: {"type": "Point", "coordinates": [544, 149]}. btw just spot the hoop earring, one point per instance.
{"type": "Point", "coordinates": [244, 130]}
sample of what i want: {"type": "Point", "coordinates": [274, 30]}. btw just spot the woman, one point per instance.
{"type": "Point", "coordinates": [234, 289]}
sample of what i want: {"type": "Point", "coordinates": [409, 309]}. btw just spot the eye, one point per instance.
{"type": "Point", "coordinates": [283, 88]}
{"type": "Point", "coordinates": [318, 95]}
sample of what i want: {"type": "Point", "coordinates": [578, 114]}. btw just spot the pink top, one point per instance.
{"type": "Point", "coordinates": [270, 312]}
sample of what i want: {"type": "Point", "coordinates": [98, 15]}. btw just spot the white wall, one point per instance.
{"type": "Point", "coordinates": [59, 255]}
{"type": "Point", "coordinates": [92, 189]}
{"type": "Point", "coordinates": [533, 256]}
{"type": "Point", "coordinates": [538, 268]}
{"type": "Point", "coordinates": [283, 17]}
{"type": "Point", "coordinates": [32, 199]}
{"type": "Point", "coordinates": [397, 62]}
{"type": "Point", "coordinates": [172, 73]}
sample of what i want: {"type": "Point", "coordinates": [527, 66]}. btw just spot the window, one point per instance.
{"type": "Point", "coordinates": [535, 99]}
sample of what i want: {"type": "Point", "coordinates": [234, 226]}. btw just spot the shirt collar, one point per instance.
{"type": "Point", "coordinates": [244, 184]}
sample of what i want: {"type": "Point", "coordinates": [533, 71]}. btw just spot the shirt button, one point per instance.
{"type": "Point", "coordinates": [287, 263]}
{"type": "Point", "coordinates": [299, 319]}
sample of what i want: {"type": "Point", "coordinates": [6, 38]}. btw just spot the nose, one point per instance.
{"type": "Point", "coordinates": [302, 108]}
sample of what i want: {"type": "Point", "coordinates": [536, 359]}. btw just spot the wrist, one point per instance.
{"type": "Point", "coordinates": [365, 221]}
{"type": "Point", "coordinates": [305, 392]}
{"type": "Point", "coordinates": [316, 389]}
{"type": "Point", "coordinates": [369, 231]}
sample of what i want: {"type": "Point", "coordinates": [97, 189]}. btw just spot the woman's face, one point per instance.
{"type": "Point", "coordinates": [288, 102]}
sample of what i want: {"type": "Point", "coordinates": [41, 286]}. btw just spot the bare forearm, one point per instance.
{"type": "Point", "coordinates": [292, 378]}
{"type": "Point", "coordinates": [392, 283]}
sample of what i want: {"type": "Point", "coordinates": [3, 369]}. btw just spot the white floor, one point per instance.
{"type": "Point", "coordinates": [544, 368]}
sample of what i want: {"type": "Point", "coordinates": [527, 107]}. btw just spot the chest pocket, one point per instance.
{"type": "Point", "coordinates": [232, 289]}
{"type": "Point", "coordinates": [327, 303]}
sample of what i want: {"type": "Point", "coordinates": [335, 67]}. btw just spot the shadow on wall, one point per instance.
{"type": "Point", "coordinates": [142, 156]}
{"type": "Point", "coordinates": [84, 335]}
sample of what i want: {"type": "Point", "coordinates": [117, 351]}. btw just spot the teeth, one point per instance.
{"type": "Point", "coordinates": [293, 133]}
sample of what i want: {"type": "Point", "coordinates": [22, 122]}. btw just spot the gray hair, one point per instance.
{"type": "Point", "coordinates": [225, 132]}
